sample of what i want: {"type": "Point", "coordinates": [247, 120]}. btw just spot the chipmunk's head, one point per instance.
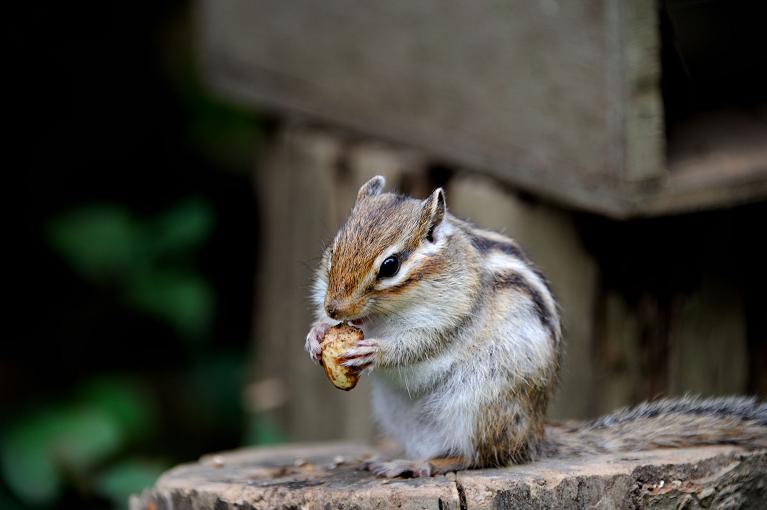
{"type": "Point", "coordinates": [386, 247]}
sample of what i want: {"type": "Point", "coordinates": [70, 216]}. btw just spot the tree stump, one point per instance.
{"type": "Point", "coordinates": [329, 475]}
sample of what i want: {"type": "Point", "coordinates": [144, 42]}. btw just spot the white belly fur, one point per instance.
{"type": "Point", "coordinates": [427, 423]}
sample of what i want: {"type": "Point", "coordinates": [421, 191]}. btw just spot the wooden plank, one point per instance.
{"type": "Point", "coordinates": [642, 104]}
{"type": "Point", "coordinates": [719, 158]}
{"type": "Point", "coordinates": [295, 188]}
{"type": "Point", "coordinates": [561, 99]}
{"type": "Point", "coordinates": [618, 379]}
{"type": "Point", "coordinates": [707, 341]}
{"type": "Point", "coordinates": [529, 97]}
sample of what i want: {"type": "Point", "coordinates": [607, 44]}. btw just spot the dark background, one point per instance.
{"type": "Point", "coordinates": [132, 245]}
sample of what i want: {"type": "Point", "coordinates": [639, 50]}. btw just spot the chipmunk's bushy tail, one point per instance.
{"type": "Point", "coordinates": [667, 423]}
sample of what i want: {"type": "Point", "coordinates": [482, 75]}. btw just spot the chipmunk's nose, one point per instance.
{"type": "Point", "coordinates": [333, 308]}
{"type": "Point", "coordinates": [339, 310]}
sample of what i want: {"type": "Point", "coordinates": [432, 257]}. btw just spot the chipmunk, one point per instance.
{"type": "Point", "coordinates": [462, 340]}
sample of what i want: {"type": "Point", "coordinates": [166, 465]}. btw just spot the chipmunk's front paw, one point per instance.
{"type": "Point", "coordinates": [363, 356]}
{"type": "Point", "coordinates": [314, 338]}
{"type": "Point", "coordinates": [400, 468]}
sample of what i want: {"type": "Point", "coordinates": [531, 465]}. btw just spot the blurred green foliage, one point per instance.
{"type": "Point", "coordinates": [224, 131]}
{"type": "Point", "coordinates": [149, 260]}
{"type": "Point", "coordinates": [122, 479]}
{"type": "Point", "coordinates": [68, 441]}
{"type": "Point", "coordinates": [92, 440]}
{"type": "Point", "coordinates": [263, 429]}
{"type": "Point", "coordinates": [85, 440]}
{"type": "Point", "coordinates": [125, 117]}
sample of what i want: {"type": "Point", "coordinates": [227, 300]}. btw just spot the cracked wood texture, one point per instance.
{"type": "Point", "coordinates": [328, 475]}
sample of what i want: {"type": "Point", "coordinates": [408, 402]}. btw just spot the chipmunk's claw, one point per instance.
{"type": "Point", "coordinates": [314, 338]}
{"type": "Point", "coordinates": [362, 356]}
{"type": "Point", "coordinates": [400, 468]}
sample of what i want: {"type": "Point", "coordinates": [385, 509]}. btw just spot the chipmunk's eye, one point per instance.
{"type": "Point", "coordinates": [389, 267]}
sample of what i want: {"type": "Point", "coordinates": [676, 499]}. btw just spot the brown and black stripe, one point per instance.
{"type": "Point", "coordinates": [510, 279]}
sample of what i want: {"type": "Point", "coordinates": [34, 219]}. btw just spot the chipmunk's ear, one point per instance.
{"type": "Point", "coordinates": [433, 210]}
{"type": "Point", "coordinates": [371, 188]}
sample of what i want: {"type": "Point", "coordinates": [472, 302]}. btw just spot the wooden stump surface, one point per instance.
{"type": "Point", "coordinates": [328, 475]}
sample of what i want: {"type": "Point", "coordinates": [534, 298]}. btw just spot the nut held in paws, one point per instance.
{"type": "Point", "coordinates": [336, 341]}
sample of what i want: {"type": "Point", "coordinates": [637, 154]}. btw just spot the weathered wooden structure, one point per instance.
{"type": "Point", "coordinates": [547, 122]}
{"type": "Point", "coordinates": [562, 99]}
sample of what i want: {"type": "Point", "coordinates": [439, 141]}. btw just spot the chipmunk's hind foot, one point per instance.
{"type": "Point", "coordinates": [400, 468]}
